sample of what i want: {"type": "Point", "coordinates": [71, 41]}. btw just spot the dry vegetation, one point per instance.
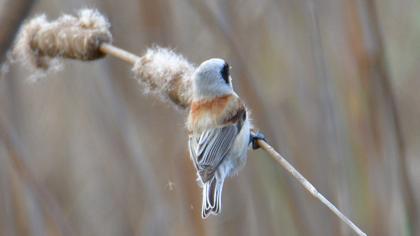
{"type": "Point", "coordinates": [83, 152]}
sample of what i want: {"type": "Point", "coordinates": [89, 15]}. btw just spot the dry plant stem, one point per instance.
{"type": "Point", "coordinates": [41, 193]}
{"type": "Point", "coordinates": [384, 80]}
{"type": "Point", "coordinates": [118, 53]}
{"type": "Point", "coordinates": [131, 58]}
{"type": "Point", "coordinates": [308, 186]}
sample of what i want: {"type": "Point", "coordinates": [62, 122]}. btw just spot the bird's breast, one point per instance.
{"type": "Point", "coordinates": [212, 113]}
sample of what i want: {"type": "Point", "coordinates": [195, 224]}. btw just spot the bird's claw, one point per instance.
{"type": "Point", "coordinates": [254, 139]}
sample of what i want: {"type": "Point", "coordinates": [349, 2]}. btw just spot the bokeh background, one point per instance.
{"type": "Point", "coordinates": [332, 83]}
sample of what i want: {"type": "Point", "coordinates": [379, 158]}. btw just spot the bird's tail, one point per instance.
{"type": "Point", "coordinates": [212, 197]}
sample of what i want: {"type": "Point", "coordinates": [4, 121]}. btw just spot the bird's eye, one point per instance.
{"type": "Point", "coordinates": [225, 73]}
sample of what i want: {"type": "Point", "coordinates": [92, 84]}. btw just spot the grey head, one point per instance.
{"type": "Point", "coordinates": [212, 79]}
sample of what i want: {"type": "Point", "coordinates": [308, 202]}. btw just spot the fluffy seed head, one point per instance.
{"type": "Point", "coordinates": [40, 43]}
{"type": "Point", "coordinates": [167, 74]}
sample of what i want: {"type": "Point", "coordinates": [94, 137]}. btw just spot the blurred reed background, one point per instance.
{"type": "Point", "coordinates": [332, 84]}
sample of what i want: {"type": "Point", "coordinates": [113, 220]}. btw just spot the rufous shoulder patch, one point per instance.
{"type": "Point", "coordinates": [210, 113]}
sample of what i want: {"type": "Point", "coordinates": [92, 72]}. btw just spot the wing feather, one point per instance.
{"type": "Point", "coordinates": [210, 148]}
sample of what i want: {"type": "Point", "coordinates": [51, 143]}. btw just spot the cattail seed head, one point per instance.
{"type": "Point", "coordinates": [166, 74]}
{"type": "Point", "coordinates": [39, 42]}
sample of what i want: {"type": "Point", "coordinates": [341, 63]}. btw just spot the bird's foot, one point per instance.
{"type": "Point", "coordinates": [254, 139]}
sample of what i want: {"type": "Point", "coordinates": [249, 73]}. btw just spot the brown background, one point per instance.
{"type": "Point", "coordinates": [332, 83]}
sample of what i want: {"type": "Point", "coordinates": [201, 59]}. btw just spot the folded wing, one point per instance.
{"type": "Point", "coordinates": [210, 148]}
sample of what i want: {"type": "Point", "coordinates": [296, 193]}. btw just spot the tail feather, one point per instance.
{"type": "Point", "coordinates": [212, 197]}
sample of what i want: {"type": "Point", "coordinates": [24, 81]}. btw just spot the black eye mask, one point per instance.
{"type": "Point", "coordinates": [225, 73]}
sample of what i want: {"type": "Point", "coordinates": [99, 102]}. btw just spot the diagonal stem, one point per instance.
{"type": "Point", "coordinates": [307, 185]}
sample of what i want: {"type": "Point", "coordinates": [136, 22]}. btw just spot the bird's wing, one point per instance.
{"type": "Point", "coordinates": [210, 148]}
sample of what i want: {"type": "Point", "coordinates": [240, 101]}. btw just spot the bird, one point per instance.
{"type": "Point", "coordinates": [219, 130]}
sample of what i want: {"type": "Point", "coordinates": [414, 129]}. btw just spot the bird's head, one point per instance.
{"type": "Point", "coordinates": [212, 79]}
